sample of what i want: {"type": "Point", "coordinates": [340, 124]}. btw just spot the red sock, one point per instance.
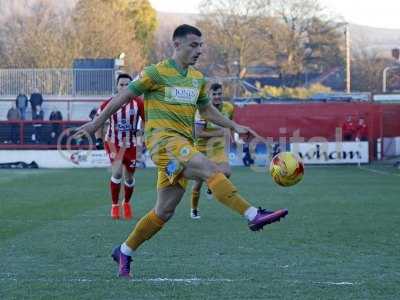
{"type": "Point", "coordinates": [129, 190]}
{"type": "Point", "coordinates": [115, 187]}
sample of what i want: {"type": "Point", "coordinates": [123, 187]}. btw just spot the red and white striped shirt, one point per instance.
{"type": "Point", "coordinates": [124, 123]}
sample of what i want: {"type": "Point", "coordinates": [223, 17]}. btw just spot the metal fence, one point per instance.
{"type": "Point", "coordinates": [57, 82]}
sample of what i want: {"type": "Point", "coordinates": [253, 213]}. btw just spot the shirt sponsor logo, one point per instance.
{"type": "Point", "coordinates": [123, 125]}
{"type": "Point", "coordinates": [181, 95]}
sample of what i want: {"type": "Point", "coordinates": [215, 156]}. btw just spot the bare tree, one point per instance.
{"type": "Point", "coordinates": [41, 35]}
{"type": "Point", "coordinates": [230, 28]}
{"type": "Point", "coordinates": [37, 37]}
{"type": "Point", "coordinates": [367, 70]}
{"type": "Point", "coordinates": [308, 39]}
{"type": "Point", "coordinates": [103, 30]}
{"type": "Point", "coordinates": [293, 35]}
{"type": "Point", "coordinates": [143, 18]}
{"type": "Point", "coordinates": [162, 46]}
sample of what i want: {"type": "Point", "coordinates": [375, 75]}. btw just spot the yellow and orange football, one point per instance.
{"type": "Point", "coordinates": [286, 169]}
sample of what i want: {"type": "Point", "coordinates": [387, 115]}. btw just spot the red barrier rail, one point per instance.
{"type": "Point", "coordinates": [37, 135]}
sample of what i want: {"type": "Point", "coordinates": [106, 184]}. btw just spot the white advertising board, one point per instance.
{"type": "Point", "coordinates": [61, 159]}
{"type": "Point", "coordinates": [332, 152]}
{"type": "Point", "coordinates": [395, 98]}
{"type": "Point", "coordinates": [57, 159]}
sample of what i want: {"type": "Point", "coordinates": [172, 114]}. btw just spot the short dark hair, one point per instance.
{"type": "Point", "coordinates": [124, 75]}
{"type": "Point", "coordinates": [185, 29]}
{"type": "Point", "coordinates": [215, 86]}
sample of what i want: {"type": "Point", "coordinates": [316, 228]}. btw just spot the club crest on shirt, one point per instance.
{"type": "Point", "coordinates": [172, 167]}
{"type": "Point", "coordinates": [195, 83]}
{"type": "Point", "coordinates": [185, 151]}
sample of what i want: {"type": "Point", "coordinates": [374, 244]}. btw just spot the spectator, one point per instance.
{"type": "Point", "coordinates": [93, 113]}
{"type": "Point", "coordinates": [38, 116]}
{"type": "Point", "coordinates": [362, 130]}
{"type": "Point", "coordinates": [36, 102]}
{"type": "Point", "coordinates": [276, 149]}
{"type": "Point", "coordinates": [21, 103]}
{"type": "Point", "coordinates": [349, 129]}
{"type": "Point", "coordinates": [247, 159]}
{"type": "Point", "coordinates": [55, 115]}
{"type": "Point", "coordinates": [13, 115]}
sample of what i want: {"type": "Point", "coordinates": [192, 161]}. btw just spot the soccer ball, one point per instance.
{"type": "Point", "coordinates": [286, 169]}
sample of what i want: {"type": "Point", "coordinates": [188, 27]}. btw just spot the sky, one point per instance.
{"type": "Point", "coordinates": [375, 13]}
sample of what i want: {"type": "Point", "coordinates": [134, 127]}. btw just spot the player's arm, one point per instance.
{"type": "Point", "coordinates": [112, 106]}
{"type": "Point", "coordinates": [210, 134]}
{"type": "Point", "coordinates": [135, 88]}
{"type": "Point", "coordinates": [99, 134]}
{"type": "Point", "coordinates": [210, 113]}
{"type": "Point", "coordinates": [99, 139]}
{"type": "Point", "coordinates": [140, 104]}
{"type": "Point", "coordinates": [139, 129]}
{"type": "Point", "coordinates": [201, 133]}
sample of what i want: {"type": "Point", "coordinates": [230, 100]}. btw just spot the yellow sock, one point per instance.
{"type": "Point", "coordinates": [147, 226]}
{"type": "Point", "coordinates": [225, 192]}
{"type": "Point", "coordinates": [195, 199]}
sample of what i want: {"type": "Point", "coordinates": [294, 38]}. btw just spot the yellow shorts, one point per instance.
{"type": "Point", "coordinates": [215, 154]}
{"type": "Point", "coordinates": [170, 154]}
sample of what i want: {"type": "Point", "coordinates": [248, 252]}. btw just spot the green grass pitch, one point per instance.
{"type": "Point", "coordinates": [341, 239]}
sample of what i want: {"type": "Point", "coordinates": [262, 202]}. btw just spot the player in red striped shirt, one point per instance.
{"type": "Point", "coordinates": [120, 144]}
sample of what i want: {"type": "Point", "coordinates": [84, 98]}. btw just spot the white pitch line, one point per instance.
{"type": "Point", "coordinates": [378, 172]}
{"type": "Point", "coordinates": [79, 217]}
{"type": "Point", "coordinates": [185, 280]}
{"type": "Point", "coordinates": [151, 280]}
{"type": "Point", "coordinates": [335, 283]}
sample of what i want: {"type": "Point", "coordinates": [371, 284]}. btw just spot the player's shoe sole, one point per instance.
{"type": "Point", "coordinates": [265, 217]}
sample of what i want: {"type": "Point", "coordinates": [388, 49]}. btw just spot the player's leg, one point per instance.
{"type": "Point", "coordinates": [129, 186]}
{"type": "Point", "coordinates": [116, 177]}
{"type": "Point", "coordinates": [167, 200]}
{"type": "Point", "coordinates": [199, 167]}
{"type": "Point", "coordinates": [194, 212]}
{"type": "Point", "coordinates": [226, 169]}
{"type": "Point", "coordinates": [115, 187]}
{"type": "Point", "coordinates": [222, 160]}
{"type": "Point", "coordinates": [129, 165]}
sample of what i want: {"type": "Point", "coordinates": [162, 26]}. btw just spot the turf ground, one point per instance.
{"type": "Point", "coordinates": [339, 241]}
